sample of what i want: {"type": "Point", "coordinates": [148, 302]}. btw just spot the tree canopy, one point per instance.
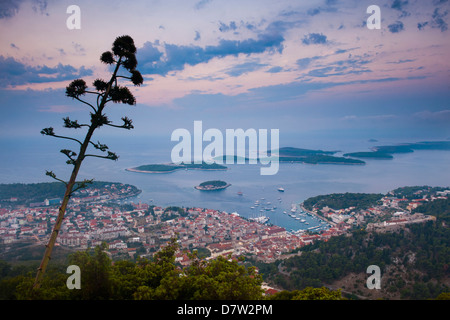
{"type": "Point", "coordinates": [160, 278]}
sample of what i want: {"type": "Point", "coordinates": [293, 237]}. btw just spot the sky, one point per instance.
{"type": "Point", "coordinates": [308, 68]}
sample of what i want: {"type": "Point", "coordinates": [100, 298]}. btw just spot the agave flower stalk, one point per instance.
{"type": "Point", "coordinates": [122, 55]}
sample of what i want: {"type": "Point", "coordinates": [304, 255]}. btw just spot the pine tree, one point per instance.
{"type": "Point", "coordinates": [123, 54]}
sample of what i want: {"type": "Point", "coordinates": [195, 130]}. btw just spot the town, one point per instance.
{"type": "Point", "coordinates": [135, 230]}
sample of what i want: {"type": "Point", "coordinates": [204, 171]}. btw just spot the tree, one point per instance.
{"type": "Point", "coordinates": [309, 293]}
{"type": "Point", "coordinates": [222, 278]}
{"type": "Point", "coordinates": [95, 266]}
{"type": "Point", "coordinates": [123, 54]}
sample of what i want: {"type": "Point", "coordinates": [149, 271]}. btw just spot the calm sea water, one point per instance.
{"type": "Point", "coordinates": [26, 160]}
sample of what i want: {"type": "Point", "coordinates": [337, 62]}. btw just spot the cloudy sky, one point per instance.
{"type": "Point", "coordinates": [306, 67]}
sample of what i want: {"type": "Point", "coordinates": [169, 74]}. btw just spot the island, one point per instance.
{"type": "Point", "coordinates": [410, 147]}
{"type": "Point", "coordinates": [289, 154]}
{"type": "Point", "coordinates": [308, 156]}
{"type": "Point", "coordinates": [387, 151]}
{"type": "Point", "coordinates": [370, 155]}
{"type": "Point", "coordinates": [171, 167]}
{"type": "Point", "coordinates": [212, 185]}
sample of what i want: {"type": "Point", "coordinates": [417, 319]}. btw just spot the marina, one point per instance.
{"type": "Point", "coordinates": [263, 210]}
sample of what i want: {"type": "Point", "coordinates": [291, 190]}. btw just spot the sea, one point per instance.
{"type": "Point", "coordinates": [251, 195]}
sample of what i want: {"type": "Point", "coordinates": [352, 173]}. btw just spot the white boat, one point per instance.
{"type": "Point", "coordinates": [281, 189]}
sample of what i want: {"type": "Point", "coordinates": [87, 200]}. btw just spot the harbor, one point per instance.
{"type": "Point", "coordinates": [306, 218]}
{"type": "Point", "coordinates": [295, 218]}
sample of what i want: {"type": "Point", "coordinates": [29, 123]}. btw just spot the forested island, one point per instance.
{"type": "Point", "coordinates": [212, 185]}
{"type": "Point", "coordinates": [410, 147]}
{"type": "Point", "coordinates": [289, 154]}
{"type": "Point", "coordinates": [370, 155]}
{"type": "Point", "coordinates": [171, 167]}
{"type": "Point", "coordinates": [298, 155]}
{"type": "Point", "coordinates": [386, 152]}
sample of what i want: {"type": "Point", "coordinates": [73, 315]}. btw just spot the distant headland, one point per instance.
{"type": "Point", "coordinates": [387, 152]}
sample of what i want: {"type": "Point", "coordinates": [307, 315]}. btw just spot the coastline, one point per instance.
{"type": "Point", "coordinates": [316, 215]}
